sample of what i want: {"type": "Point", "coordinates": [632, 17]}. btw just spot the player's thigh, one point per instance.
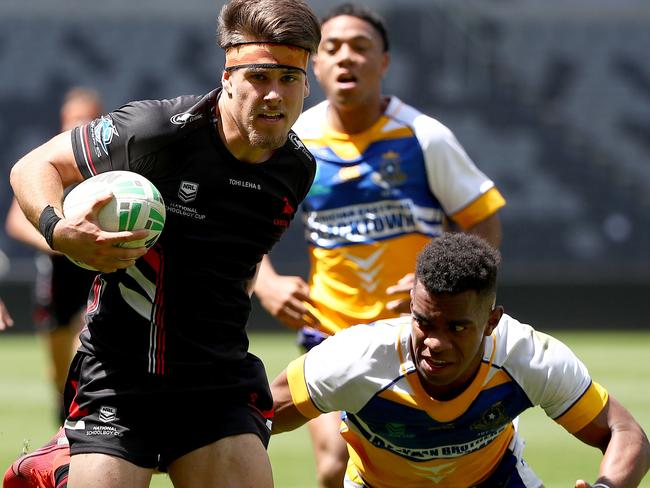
{"type": "Point", "coordinates": [103, 471]}
{"type": "Point", "coordinates": [325, 434]}
{"type": "Point", "coordinates": [238, 461]}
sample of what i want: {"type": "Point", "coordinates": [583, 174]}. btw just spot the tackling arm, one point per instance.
{"type": "Point", "coordinates": [286, 416]}
{"type": "Point", "coordinates": [625, 447]}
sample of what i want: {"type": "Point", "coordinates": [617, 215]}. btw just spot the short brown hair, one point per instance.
{"type": "Point", "coordinates": [278, 21]}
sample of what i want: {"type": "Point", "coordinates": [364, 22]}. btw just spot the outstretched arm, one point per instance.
{"type": "Point", "coordinates": [625, 446]}
{"type": "Point", "coordinates": [286, 417]}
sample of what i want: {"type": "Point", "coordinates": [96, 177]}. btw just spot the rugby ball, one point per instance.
{"type": "Point", "coordinates": [136, 204]}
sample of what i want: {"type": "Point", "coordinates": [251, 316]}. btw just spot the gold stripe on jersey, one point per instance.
{"type": "Point", "coordinates": [352, 146]}
{"type": "Point", "coordinates": [584, 410]}
{"type": "Point", "coordinates": [499, 378]}
{"type": "Point", "coordinates": [446, 411]}
{"type": "Point", "coordinates": [479, 209]}
{"type": "Point", "coordinates": [298, 388]}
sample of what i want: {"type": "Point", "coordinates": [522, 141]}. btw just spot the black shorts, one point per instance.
{"type": "Point", "coordinates": [151, 421]}
{"type": "Point", "coordinates": [62, 290]}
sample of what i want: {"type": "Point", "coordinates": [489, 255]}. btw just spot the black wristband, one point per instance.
{"type": "Point", "coordinates": [46, 223]}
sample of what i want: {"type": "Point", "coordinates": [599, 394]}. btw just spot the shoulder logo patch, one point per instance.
{"type": "Point", "coordinates": [295, 140]}
{"type": "Point", "coordinates": [103, 130]}
{"type": "Point", "coordinates": [184, 118]}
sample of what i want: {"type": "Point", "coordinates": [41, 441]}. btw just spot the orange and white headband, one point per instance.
{"type": "Point", "coordinates": [266, 55]}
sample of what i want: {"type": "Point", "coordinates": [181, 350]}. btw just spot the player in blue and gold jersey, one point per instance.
{"type": "Point", "coordinates": [429, 400]}
{"type": "Point", "coordinates": [388, 179]}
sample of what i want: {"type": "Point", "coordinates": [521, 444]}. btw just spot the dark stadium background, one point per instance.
{"type": "Point", "coordinates": [551, 99]}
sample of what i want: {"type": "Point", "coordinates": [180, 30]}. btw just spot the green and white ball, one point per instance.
{"type": "Point", "coordinates": [136, 204]}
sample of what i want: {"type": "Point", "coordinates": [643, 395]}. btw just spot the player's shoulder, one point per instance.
{"type": "Point", "coordinates": [311, 122]}
{"type": "Point", "coordinates": [297, 149]}
{"type": "Point", "coordinates": [166, 115]}
{"type": "Point", "coordinates": [426, 128]}
{"type": "Point", "coordinates": [380, 338]}
{"type": "Point", "coordinates": [520, 346]}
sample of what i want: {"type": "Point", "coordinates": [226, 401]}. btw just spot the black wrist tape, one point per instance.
{"type": "Point", "coordinates": [46, 223]}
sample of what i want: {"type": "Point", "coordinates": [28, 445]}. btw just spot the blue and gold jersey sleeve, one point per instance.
{"type": "Point", "coordinates": [298, 388]}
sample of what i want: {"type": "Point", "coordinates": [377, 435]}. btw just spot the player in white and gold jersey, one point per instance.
{"type": "Point", "coordinates": [429, 400]}
{"type": "Point", "coordinates": [388, 179]}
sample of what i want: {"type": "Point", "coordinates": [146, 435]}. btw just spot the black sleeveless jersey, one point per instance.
{"type": "Point", "coordinates": [184, 306]}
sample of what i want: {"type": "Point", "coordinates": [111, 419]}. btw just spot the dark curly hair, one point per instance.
{"type": "Point", "coordinates": [457, 262]}
{"type": "Point", "coordinates": [363, 13]}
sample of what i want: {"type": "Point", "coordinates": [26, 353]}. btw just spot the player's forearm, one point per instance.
{"type": "Point", "coordinates": [265, 276]}
{"type": "Point", "coordinates": [286, 416]}
{"type": "Point", "coordinates": [36, 184]}
{"type": "Point", "coordinates": [38, 179]}
{"type": "Point", "coordinates": [627, 458]}
{"type": "Point", "coordinates": [21, 229]}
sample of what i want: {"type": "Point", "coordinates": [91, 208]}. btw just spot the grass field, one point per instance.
{"type": "Point", "coordinates": [619, 360]}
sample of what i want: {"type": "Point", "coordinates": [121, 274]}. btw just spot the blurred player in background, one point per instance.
{"type": "Point", "coordinates": [163, 377]}
{"type": "Point", "coordinates": [61, 287]}
{"type": "Point", "coordinates": [430, 399]}
{"type": "Point", "coordinates": [5, 317]}
{"type": "Point", "coordinates": [389, 178]}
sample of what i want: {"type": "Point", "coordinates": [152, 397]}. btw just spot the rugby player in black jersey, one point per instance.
{"type": "Point", "coordinates": [163, 377]}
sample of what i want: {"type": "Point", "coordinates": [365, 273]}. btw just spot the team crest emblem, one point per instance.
{"type": "Point", "coordinates": [390, 173]}
{"type": "Point", "coordinates": [107, 414]}
{"type": "Point", "coordinates": [493, 418]}
{"type": "Point", "coordinates": [187, 191]}
{"type": "Point", "coordinates": [103, 132]}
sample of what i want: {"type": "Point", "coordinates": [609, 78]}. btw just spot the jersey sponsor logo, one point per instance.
{"type": "Point", "coordinates": [390, 173]}
{"type": "Point", "coordinates": [295, 140]}
{"type": "Point", "coordinates": [364, 223]}
{"type": "Point", "coordinates": [431, 452]}
{"type": "Point", "coordinates": [185, 118]}
{"type": "Point", "coordinates": [245, 184]}
{"type": "Point", "coordinates": [102, 131]}
{"type": "Point", "coordinates": [287, 212]}
{"type": "Point", "coordinates": [187, 191]}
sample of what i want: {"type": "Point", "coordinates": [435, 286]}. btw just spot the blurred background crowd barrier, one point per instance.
{"type": "Point", "coordinates": [551, 99]}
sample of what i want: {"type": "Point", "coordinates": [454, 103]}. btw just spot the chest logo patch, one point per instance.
{"type": "Point", "coordinates": [390, 173]}
{"type": "Point", "coordinates": [287, 212]}
{"type": "Point", "coordinates": [187, 191]}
